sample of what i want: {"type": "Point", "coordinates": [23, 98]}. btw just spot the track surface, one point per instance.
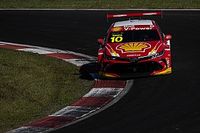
{"type": "Point", "coordinates": [164, 104]}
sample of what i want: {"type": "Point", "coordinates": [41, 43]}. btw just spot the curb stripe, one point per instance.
{"type": "Point", "coordinates": [103, 93]}
{"type": "Point", "coordinates": [52, 121]}
{"type": "Point", "coordinates": [74, 111]}
{"type": "Point", "coordinates": [77, 62]}
{"type": "Point", "coordinates": [28, 129]}
{"type": "Point", "coordinates": [92, 101]}
{"type": "Point", "coordinates": [35, 50]}
{"type": "Point", "coordinates": [64, 56]}
{"type": "Point", "coordinates": [110, 83]}
{"type": "Point", "coordinates": [14, 47]}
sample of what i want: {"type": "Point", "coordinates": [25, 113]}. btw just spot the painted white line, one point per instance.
{"type": "Point", "coordinates": [82, 55]}
{"type": "Point", "coordinates": [51, 50]}
{"type": "Point", "coordinates": [31, 46]}
{"type": "Point", "coordinates": [10, 43]}
{"type": "Point", "coordinates": [103, 92]}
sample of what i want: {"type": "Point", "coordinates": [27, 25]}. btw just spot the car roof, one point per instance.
{"type": "Point", "coordinates": [133, 22]}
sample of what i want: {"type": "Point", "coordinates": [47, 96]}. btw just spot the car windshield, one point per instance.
{"type": "Point", "coordinates": [133, 36]}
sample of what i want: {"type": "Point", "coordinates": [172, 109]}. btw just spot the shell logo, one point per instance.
{"type": "Point", "coordinates": [134, 47]}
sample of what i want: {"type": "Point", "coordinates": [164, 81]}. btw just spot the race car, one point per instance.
{"type": "Point", "coordinates": [134, 47]}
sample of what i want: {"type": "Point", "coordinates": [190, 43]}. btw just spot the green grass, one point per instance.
{"type": "Point", "coordinates": [100, 4]}
{"type": "Point", "coordinates": [33, 86]}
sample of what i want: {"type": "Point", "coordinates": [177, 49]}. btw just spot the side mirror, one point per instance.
{"type": "Point", "coordinates": [168, 37]}
{"type": "Point", "coordinates": [100, 41]}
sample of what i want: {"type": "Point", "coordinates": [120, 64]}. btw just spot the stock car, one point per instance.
{"type": "Point", "coordinates": [134, 47]}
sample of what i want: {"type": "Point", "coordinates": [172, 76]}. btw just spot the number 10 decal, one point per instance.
{"type": "Point", "coordinates": [116, 39]}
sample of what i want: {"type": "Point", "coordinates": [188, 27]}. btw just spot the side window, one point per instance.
{"type": "Point", "coordinates": [160, 32]}
{"type": "Point", "coordinates": [107, 33]}
{"type": "Point", "coordinates": [105, 38]}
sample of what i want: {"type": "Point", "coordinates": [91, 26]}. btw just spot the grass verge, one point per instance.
{"type": "Point", "coordinates": [99, 4]}
{"type": "Point", "coordinates": [33, 86]}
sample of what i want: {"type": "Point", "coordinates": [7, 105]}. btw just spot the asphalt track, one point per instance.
{"type": "Point", "coordinates": [162, 104]}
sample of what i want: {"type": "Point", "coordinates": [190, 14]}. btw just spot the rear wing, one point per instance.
{"type": "Point", "coordinates": [139, 14]}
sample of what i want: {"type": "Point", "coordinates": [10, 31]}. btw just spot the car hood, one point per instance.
{"type": "Point", "coordinates": [133, 49]}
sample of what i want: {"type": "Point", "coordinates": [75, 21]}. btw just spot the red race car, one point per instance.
{"type": "Point", "coordinates": [134, 47]}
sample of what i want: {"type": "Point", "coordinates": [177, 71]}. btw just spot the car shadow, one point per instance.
{"type": "Point", "coordinates": [90, 71]}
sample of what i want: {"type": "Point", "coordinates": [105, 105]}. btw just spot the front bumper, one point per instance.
{"type": "Point", "coordinates": [137, 67]}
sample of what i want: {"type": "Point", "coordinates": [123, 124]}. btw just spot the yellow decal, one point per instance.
{"type": "Point", "coordinates": [134, 47]}
{"type": "Point", "coordinates": [111, 75]}
{"type": "Point", "coordinates": [115, 29]}
{"type": "Point", "coordinates": [113, 52]}
{"type": "Point", "coordinates": [167, 71]}
{"type": "Point", "coordinates": [116, 39]}
{"type": "Point", "coordinates": [153, 51]}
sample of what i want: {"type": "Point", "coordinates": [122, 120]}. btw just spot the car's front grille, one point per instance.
{"type": "Point", "coordinates": [135, 67]}
{"type": "Point", "coordinates": [131, 60]}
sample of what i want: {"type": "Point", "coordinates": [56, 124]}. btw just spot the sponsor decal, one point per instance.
{"type": "Point", "coordinates": [138, 27]}
{"type": "Point", "coordinates": [115, 29]}
{"type": "Point", "coordinates": [128, 27]}
{"type": "Point", "coordinates": [116, 37]}
{"type": "Point", "coordinates": [134, 47]}
{"type": "Point", "coordinates": [166, 71]}
{"type": "Point", "coordinates": [130, 55]}
{"type": "Point", "coordinates": [155, 49]}
{"type": "Point", "coordinates": [112, 52]}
